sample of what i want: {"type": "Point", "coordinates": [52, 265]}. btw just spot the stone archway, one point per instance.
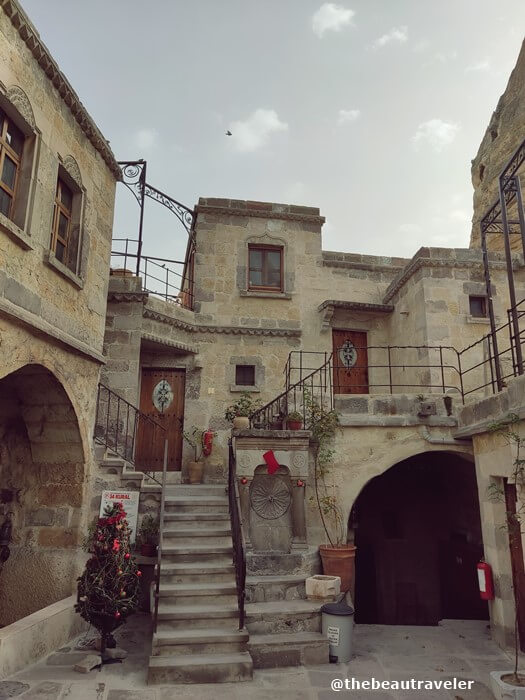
{"type": "Point", "coordinates": [41, 484]}
{"type": "Point", "coordinates": [418, 536]}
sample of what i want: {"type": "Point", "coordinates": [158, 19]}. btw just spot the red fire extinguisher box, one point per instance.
{"type": "Point", "coordinates": [485, 581]}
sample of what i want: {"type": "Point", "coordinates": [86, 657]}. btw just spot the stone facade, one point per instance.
{"type": "Point", "coordinates": [52, 318]}
{"type": "Point", "coordinates": [503, 136]}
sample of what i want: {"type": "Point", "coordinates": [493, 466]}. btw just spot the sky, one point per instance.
{"type": "Point", "coordinates": [369, 109]}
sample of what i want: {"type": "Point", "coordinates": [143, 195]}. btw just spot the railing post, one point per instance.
{"type": "Point", "coordinates": [161, 529]}
{"type": "Point", "coordinates": [488, 289]}
{"type": "Point", "coordinates": [460, 377]}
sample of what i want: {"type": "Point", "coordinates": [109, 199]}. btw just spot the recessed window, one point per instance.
{"type": "Point", "coordinates": [478, 306]}
{"type": "Point", "coordinates": [265, 268]}
{"type": "Point", "coordinates": [62, 221]}
{"type": "Point", "coordinates": [245, 375]}
{"type": "Point", "coordinates": [11, 147]}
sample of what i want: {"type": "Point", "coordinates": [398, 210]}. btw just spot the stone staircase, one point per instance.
{"type": "Point", "coordinates": [197, 638]}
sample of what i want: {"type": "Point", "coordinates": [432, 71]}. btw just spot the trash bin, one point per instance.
{"type": "Point", "coordinates": [338, 624]}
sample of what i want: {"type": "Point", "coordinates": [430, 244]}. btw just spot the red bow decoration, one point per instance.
{"type": "Point", "coordinates": [273, 464]}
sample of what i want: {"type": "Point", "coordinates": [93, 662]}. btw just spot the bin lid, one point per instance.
{"type": "Point", "coordinates": [340, 608]}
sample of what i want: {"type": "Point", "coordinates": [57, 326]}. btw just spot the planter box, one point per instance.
{"type": "Point", "coordinates": [323, 588]}
{"type": "Point", "coordinates": [505, 691]}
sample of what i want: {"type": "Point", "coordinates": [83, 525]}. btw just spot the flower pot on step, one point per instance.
{"type": "Point", "coordinates": [339, 561]}
{"type": "Point", "coordinates": [294, 424]}
{"type": "Point", "coordinates": [148, 550]}
{"type": "Point", "coordinates": [241, 422]}
{"type": "Point", "coordinates": [195, 471]}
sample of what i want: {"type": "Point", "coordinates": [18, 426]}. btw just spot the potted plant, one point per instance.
{"type": "Point", "coordinates": [149, 536]}
{"type": "Point", "coordinates": [239, 412]}
{"type": "Point", "coordinates": [511, 684]}
{"type": "Point", "coordinates": [294, 420]}
{"type": "Point", "coordinates": [196, 467]}
{"type": "Point", "coordinates": [337, 555]}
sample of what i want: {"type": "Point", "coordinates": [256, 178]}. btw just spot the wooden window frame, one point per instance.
{"type": "Point", "coordinates": [266, 248]}
{"type": "Point", "coordinates": [484, 305]}
{"type": "Point", "coordinates": [237, 367]}
{"type": "Point", "coordinates": [5, 149]}
{"type": "Point", "coordinates": [60, 208]}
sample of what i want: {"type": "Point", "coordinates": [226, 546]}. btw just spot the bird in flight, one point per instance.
{"type": "Point", "coordinates": [229, 133]}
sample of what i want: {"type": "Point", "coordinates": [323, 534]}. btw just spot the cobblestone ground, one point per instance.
{"type": "Point", "coordinates": [454, 649]}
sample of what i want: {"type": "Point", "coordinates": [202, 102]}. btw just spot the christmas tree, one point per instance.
{"type": "Point", "coordinates": [109, 588]}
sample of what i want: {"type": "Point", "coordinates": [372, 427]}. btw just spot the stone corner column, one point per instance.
{"type": "Point", "coordinates": [298, 515]}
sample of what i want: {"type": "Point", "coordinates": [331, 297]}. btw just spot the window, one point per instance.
{"type": "Point", "coordinates": [62, 222]}
{"type": "Point", "coordinates": [245, 375]}
{"type": "Point", "coordinates": [11, 147]}
{"type": "Point", "coordinates": [478, 306]}
{"type": "Point", "coordinates": [265, 268]}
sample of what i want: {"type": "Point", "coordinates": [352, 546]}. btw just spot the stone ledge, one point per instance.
{"type": "Point", "coordinates": [264, 295]}
{"type": "Point", "coordinates": [52, 261]}
{"type": "Point", "coordinates": [15, 232]}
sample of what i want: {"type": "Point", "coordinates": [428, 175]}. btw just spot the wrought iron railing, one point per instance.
{"type": "Point", "coordinates": [161, 536]}
{"type": "Point", "coordinates": [394, 369]}
{"type": "Point", "coordinates": [239, 549]}
{"type": "Point", "coordinates": [120, 426]}
{"type": "Point", "coordinates": [162, 277]}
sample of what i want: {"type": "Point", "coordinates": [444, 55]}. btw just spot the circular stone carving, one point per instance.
{"type": "Point", "coordinates": [299, 460]}
{"type": "Point", "coordinates": [270, 497]}
{"type": "Point", "coordinates": [245, 461]}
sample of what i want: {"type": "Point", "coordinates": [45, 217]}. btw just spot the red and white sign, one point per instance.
{"type": "Point", "coordinates": [130, 503]}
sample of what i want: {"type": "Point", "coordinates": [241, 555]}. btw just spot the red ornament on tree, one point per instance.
{"type": "Point", "coordinates": [139, 573]}
{"type": "Point", "coordinates": [244, 480]}
{"type": "Point", "coordinates": [127, 555]}
{"type": "Point", "coordinates": [117, 615]}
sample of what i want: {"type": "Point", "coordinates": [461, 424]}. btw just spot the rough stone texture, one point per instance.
{"type": "Point", "coordinates": [502, 137]}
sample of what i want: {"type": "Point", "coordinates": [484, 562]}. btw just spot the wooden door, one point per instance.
{"type": "Point", "coordinates": [350, 362]}
{"type": "Point", "coordinates": [516, 557]}
{"type": "Point", "coordinates": [162, 400]}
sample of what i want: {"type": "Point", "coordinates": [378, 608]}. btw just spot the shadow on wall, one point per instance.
{"type": "Point", "coordinates": [41, 483]}
{"type": "Point", "coordinates": [418, 537]}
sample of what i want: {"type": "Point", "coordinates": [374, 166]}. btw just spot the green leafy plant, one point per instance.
{"type": "Point", "coordinates": [149, 530]}
{"type": "Point", "coordinates": [244, 406]}
{"type": "Point", "coordinates": [295, 416]}
{"type": "Point", "coordinates": [514, 519]}
{"type": "Point", "coordinates": [323, 424]}
{"type": "Point", "coordinates": [194, 438]}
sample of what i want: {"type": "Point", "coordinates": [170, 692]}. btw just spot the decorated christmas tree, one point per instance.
{"type": "Point", "coordinates": [108, 590]}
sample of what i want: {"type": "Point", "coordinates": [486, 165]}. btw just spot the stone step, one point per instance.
{"type": "Point", "coordinates": [201, 641]}
{"type": "Point", "coordinates": [197, 593]}
{"type": "Point", "coordinates": [199, 537]}
{"type": "Point", "coordinates": [200, 668]}
{"type": "Point", "coordinates": [283, 616]}
{"type": "Point", "coordinates": [218, 570]}
{"type": "Point", "coordinates": [174, 616]}
{"type": "Point", "coordinates": [196, 504]}
{"type": "Point", "coordinates": [196, 490]}
{"type": "Point", "coordinates": [261, 589]}
{"type": "Point", "coordinates": [288, 649]}
{"type": "Point", "coordinates": [196, 521]}
{"type": "Point", "coordinates": [195, 552]}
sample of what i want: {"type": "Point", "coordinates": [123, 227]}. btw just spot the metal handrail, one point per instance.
{"type": "Point", "coordinates": [161, 536]}
{"type": "Point", "coordinates": [116, 425]}
{"type": "Point", "coordinates": [239, 547]}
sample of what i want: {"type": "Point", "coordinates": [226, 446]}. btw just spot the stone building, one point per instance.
{"type": "Point", "coordinates": [402, 349]}
{"type": "Point", "coordinates": [57, 186]}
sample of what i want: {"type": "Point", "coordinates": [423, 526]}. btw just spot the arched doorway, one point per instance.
{"type": "Point", "coordinates": [41, 489]}
{"type": "Point", "coordinates": [418, 537]}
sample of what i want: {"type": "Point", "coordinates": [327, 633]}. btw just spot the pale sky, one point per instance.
{"type": "Point", "coordinates": [369, 109]}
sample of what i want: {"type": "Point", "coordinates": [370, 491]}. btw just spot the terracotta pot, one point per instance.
{"type": "Point", "coordinates": [148, 550]}
{"type": "Point", "coordinates": [339, 561]}
{"type": "Point", "coordinates": [241, 422]}
{"type": "Point", "coordinates": [276, 425]}
{"type": "Point", "coordinates": [195, 470]}
{"type": "Point", "coordinates": [294, 424]}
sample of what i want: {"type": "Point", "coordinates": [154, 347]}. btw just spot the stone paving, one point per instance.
{"type": "Point", "coordinates": [460, 649]}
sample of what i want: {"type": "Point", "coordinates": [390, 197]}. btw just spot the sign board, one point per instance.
{"type": "Point", "coordinates": [130, 503]}
{"type": "Point", "coordinates": [333, 636]}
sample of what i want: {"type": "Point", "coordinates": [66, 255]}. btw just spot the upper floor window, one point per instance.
{"type": "Point", "coordinates": [478, 306]}
{"type": "Point", "coordinates": [265, 268]}
{"type": "Point", "coordinates": [60, 240]}
{"type": "Point", "coordinates": [11, 147]}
